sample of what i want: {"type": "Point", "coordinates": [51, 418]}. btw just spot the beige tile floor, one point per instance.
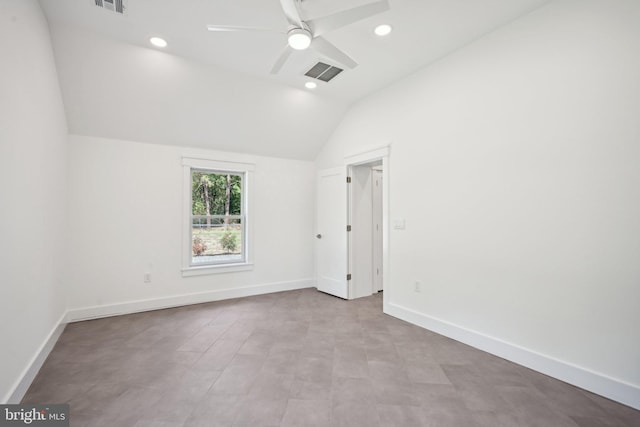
{"type": "Point", "coordinates": [299, 358]}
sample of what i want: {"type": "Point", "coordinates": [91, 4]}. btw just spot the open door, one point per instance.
{"type": "Point", "coordinates": [376, 228]}
{"type": "Point", "coordinates": [331, 237]}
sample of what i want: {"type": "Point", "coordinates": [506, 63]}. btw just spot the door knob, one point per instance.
{"type": "Point", "coordinates": [318, 236]}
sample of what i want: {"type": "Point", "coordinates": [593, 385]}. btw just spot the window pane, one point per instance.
{"type": "Point", "coordinates": [217, 240]}
{"type": "Point", "coordinates": [216, 193]}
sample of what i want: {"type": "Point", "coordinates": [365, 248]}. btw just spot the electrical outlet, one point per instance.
{"type": "Point", "coordinates": [147, 277]}
{"type": "Point", "coordinates": [417, 286]}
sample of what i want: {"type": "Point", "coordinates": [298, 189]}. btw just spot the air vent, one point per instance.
{"type": "Point", "coordinates": [112, 5]}
{"type": "Point", "coordinates": [324, 72]}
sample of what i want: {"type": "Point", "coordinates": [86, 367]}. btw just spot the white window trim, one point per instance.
{"type": "Point", "coordinates": [189, 163]}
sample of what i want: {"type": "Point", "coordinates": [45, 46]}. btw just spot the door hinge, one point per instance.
{"type": "Point", "coordinates": [348, 180]}
{"type": "Point", "coordinates": [349, 276]}
{"type": "Point", "coordinates": [348, 228]}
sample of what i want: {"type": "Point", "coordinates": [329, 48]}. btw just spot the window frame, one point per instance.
{"type": "Point", "coordinates": [242, 218]}
{"type": "Point", "coordinates": [245, 171]}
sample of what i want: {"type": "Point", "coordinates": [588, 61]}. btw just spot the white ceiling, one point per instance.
{"type": "Point", "coordinates": [424, 30]}
{"type": "Point", "coordinates": [214, 90]}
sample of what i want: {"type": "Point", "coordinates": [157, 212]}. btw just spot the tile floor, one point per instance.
{"type": "Point", "coordinates": [299, 358]}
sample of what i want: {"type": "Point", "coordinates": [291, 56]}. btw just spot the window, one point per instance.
{"type": "Point", "coordinates": [217, 229]}
{"type": "Point", "coordinates": [217, 224]}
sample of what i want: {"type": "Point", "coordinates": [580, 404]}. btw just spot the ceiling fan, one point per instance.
{"type": "Point", "coordinates": [303, 34]}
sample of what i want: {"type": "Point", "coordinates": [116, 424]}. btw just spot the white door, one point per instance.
{"type": "Point", "coordinates": [331, 237]}
{"type": "Point", "coordinates": [360, 238]}
{"type": "Point", "coordinates": [376, 189]}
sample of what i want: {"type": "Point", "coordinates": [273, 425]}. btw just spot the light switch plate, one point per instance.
{"type": "Point", "coordinates": [398, 224]}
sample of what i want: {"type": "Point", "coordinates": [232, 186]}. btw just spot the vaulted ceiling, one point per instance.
{"type": "Point", "coordinates": [214, 89]}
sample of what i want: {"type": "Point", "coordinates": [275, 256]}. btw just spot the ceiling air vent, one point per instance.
{"type": "Point", "coordinates": [112, 5]}
{"type": "Point", "coordinates": [324, 72]}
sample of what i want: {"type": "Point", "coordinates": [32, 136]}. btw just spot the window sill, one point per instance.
{"type": "Point", "coordinates": [215, 269]}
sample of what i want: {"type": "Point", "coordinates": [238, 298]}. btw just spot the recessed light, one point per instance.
{"type": "Point", "coordinates": [310, 85]}
{"type": "Point", "coordinates": [382, 30]}
{"type": "Point", "coordinates": [157, 41]}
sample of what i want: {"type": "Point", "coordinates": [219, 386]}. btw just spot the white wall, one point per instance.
{"type": "Point", "coordinates": [515, 164]}
{"type": "Point", "coordinates": [125, 218]}
{"type": "Point", "coordinates": [33, 138]}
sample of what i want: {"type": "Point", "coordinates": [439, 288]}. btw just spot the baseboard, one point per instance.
{"type": "Point", "coordinates": [614, 389]}
{"type": "Point", "coordinates": [29, 374]}
{"type": "Point", "coordinates": [95, 312]}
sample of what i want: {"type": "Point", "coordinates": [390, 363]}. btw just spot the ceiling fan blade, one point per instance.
{"type": "Point", "coordinates": [225, 28]}
{"type": "Point", "coordinates": [281, 60]}
{"type": "Point", "coordinates": [328, 23]}
{"type": "Point", "coordinates": [327, 49]}
{"type": "Point", "coordinates": [292, 13]}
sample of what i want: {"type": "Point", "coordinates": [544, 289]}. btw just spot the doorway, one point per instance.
{"type": "Point", "coordinates": [365, 235]}
{"type": "Point", "coordinates": [352, 217]}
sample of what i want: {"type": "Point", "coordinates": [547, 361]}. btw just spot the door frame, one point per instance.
{"type": "Point", "coordinates": [370, 156]}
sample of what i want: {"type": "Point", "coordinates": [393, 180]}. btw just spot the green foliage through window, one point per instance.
{"type": "Point", "coordinates": [216, 194]}
{"type": "Point", "coordinates": [229, 241]}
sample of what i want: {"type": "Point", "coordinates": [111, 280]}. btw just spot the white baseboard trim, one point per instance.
{"type": "Point", "coordinates": [21, 386]}
{"type": "Point", "coordinates": [95, 312]}
{"type": "Point", "coordinates": [614, 389]}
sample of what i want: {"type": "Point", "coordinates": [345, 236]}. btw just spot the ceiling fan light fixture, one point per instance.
{"type": "Point", "coordinates": [299, 38]}
{"type": "Point", "coordinates": [382, 30]}
{"type": "Point", "coordinates": [158, 42]}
